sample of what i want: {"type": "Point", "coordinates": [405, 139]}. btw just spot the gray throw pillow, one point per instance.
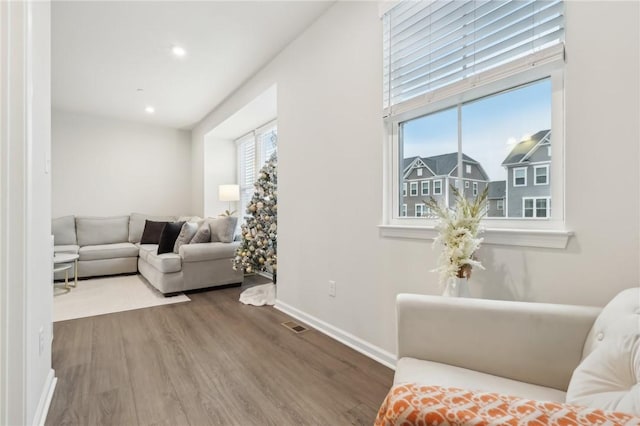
{"type": "Point", "coordinates": [223, 228]}
{"type": "Point", "coordinates": [203, 235]}
{"type": "Point", "coordinates": [187, 232]}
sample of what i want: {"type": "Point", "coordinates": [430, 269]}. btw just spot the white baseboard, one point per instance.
{"type": "Point", "coordinates": [372, 351]}
{"type": "Point", "coordinates": [45, 399]}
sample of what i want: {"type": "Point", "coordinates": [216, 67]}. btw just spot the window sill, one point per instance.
{"type": "Point", "coordinates": [556, 239]}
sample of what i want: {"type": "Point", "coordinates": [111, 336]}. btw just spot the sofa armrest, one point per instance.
{"type": "Point", "coordinates": [537, 343]}
{"type": "Point", "coordinates": [207, 251]}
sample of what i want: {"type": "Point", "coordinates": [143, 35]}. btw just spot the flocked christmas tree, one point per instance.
{"type": "Point", "coordinates": [258, 249]}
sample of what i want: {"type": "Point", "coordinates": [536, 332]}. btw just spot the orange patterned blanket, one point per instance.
{"type": "Point", "coordinates": [410, 404]}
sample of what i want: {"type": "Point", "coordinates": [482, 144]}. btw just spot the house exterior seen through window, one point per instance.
{"type": "Point", "coordinates": [504, 145]}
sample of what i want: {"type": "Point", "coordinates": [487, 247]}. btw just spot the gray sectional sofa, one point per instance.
{"type": "Point", "coordinates": [111, 245]}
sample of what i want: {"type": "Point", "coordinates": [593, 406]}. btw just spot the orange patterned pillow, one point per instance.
{"type": "Point", "coordinates": [411, 404]}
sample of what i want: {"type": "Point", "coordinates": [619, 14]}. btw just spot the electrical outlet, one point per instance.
{"type": "Point", "coordinates": [332, 288]}
{"type": "Point", "coordinates": [41, 341]}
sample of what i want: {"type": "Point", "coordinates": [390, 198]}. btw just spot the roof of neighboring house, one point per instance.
{"type": "Point", "coordinates": [520, 151]}
{"type": "Point", "coordinates": [442, 164]}
{"type": "Point", "coordinates": [497, 189]}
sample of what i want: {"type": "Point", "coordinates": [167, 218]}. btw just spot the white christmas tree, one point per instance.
{"type": "Point", "coordinates": [258, 248]}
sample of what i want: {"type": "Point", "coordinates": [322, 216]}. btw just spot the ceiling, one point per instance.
{"type": "Point", "coordinates": [102, 53]}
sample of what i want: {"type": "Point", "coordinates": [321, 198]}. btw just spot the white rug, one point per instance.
{"type": "Point", "coordinates": [107, 295]}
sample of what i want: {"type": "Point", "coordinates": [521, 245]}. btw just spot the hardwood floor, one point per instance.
{"type": "Point", "coordinates": [211, 361]}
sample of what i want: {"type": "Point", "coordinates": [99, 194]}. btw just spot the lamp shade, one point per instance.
{"type": "Point", "coordinates": [229, 192]}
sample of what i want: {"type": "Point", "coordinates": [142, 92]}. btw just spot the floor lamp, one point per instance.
{"type": "Point", "coordinates": [229, 193]}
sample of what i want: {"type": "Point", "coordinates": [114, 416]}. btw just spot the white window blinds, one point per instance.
{"type": "Point", "coordinates": [431, 44]}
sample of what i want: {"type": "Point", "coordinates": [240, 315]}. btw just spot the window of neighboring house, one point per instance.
{"type": "Point", "coordinates": [425, 187]}
{"type": "Point", "coordinates": [413, 189]}
{"type": "Point", "coordinates": [254, 149]}
{"type": "Point", "coordinates": [420, 210]}
{"type": "Point", "coordinates": [520, 176]}
{"type": "Point", "coordinates": [484, 61]}
{"type": "Point", "coordinates": [437, 187]}
{"type": "Point", "coordinates": [403, 212]}
{"type": "Point", "coordinates": [419, 172]}
{"type": "Point", "coordinates": [404, 189]}
{"type": "Point", "coordinates": [535, 207]}
{"type": "Point", "coordinates": [500, 204]}
{"type": "Point", "coordinates": [541, 175]}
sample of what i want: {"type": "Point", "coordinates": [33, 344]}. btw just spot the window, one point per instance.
{"type": "Point", "coordinates": [403, 212]}
{"type": "Point", "coordinates": [254, 149]}
{"type": "Point", "coordinates": [468, 91]}
{"type": "Point", "coordinates": [500, 204]}
{"type": "Point", "coordinates": [541, 174]}
{"type": "Point", "coordinates": [437, 187]}
{"type": "Point", "coordinates": [419, 210]}
{"type": "Point", "coordinates": [404, 189]}
{"type": "Point", "coordinates": [419, 172]}
{"type": "Point", "coordinates": [413, 189]}
{"type": "Point", "coordinates": [520, 176]}
{"type": "Point", "coordinates": [535, 207]}
{"type": "Point", "coordinates": [425, 187]}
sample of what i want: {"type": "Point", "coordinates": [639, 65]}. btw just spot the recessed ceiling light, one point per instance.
{"type": "Point", "coordinates": [149, 109]}
{"type": "Point", "coordinates": [178, 51]}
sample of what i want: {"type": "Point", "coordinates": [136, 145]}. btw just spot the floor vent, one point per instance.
{"type": "Point", "coordinates": [295, 327]}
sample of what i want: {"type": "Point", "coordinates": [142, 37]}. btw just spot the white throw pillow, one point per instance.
{"type": "Point", "coordinates": [608, 377]}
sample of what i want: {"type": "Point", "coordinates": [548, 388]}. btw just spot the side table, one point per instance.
{"type": "Point", "coordinates": [63, 262]}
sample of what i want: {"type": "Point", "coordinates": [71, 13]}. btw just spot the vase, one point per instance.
{"type": "Point", "coordinates": [457, 287]}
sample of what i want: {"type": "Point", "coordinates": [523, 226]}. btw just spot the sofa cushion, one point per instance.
{"type": "Point", "coordinates": [145, 249]}
{"type": "Point", "coordinates": [607, 379]}
{"type": "Point", "coordinates": [108, 251]}
{"type": "Point", "coordinates": [412, 370]}
{"type": "Point", "coordinates": [619, 318]}
{"type": "Point", "coordinates": [70, 248]}
{"type": "Point", "coordinates": [203, 235]}
{"type": "Point", "coordinates": [102, 230]}
{"type": "Point", "coordinates": [137, 222]}
{"type": "Point", "coordinates": [166, 262]}
{"type": "Point", "coordinates": [208, 251]}
{"type": "Point", "coordinates": [223, 228]}
{"type": "Point", "coordinates": [152, 231]}
{"type": "Point", "coordinates": [187, 232]}
{"type": "Point", "coordinates": [169, 236]}
{"type": "Point", "coordinates": [64, 231]}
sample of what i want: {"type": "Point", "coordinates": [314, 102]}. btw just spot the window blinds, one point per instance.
{"type": "Point", "coordinates": [432, 44]}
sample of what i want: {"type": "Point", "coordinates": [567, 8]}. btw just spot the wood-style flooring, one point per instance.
{"type": "Point", "coordinates": [211, 361]}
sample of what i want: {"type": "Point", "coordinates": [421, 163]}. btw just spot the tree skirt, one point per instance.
{"type": "Point", "coordinates": [259, 295]}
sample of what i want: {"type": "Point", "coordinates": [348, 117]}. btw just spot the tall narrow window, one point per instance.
{"type": "Point", "coordinates": [254, 150]}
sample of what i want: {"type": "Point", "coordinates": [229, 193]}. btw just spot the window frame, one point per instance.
{"type": "Point", "coordinates": [411, 185]}
{"type": "Point", "coordinates": [422, 209]}
{"type": "Point", "coordinates": [535, 176]}
{"type": "Point", "coordinates": [529, 231]}
{"type": "Point", "coordinates": [422, 187]}
{"type": "Point", "coordinates": [438, 181]}
{"type": "Point", "coordinates": [404, 189]}
{"type": "Point", "coordinates": [500, 204]}
{"type": "Point", "coordinates": [403, 211]}
{"type": "Point", "coordinates": [535, 208]}
{"type": "Point", "coordinates": [514, 182]}
{"type": "Point", "coordinates": [474, 190]}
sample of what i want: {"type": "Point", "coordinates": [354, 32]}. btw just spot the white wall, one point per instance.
{"type": "Point", "coordinates": [330, 175]}
{"type": "Point", "coordinates": [26, 293]}
{"type": "Point", "coordinates": [103, 167]}
{"type": "Point", "coordinates": [220, 169]}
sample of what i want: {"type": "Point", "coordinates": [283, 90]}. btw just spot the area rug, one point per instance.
{"type": "Point", "coordinates": [101, 296]}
